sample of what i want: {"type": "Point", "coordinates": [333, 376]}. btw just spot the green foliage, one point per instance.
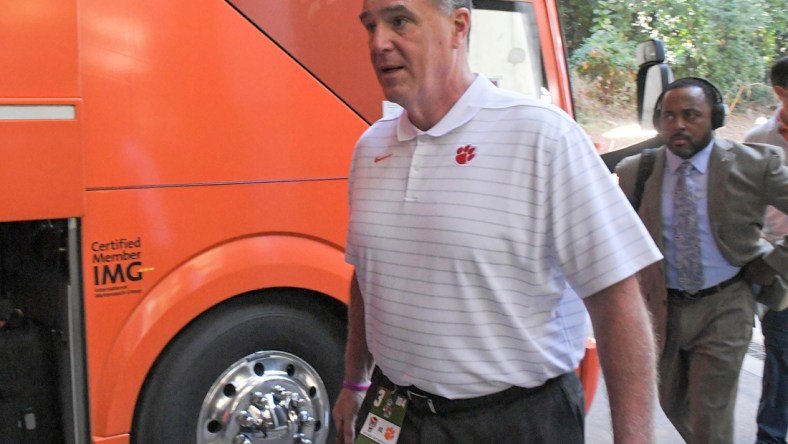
{"type": "Point", "coordinates": [761, 95]}
{"type": "Point", "coordinates": [576, 21]}
{"type": "Point", "coordinates": [722, 41]}
{"type": "Point", "coordinates": [605, 60]}
{"type": "Point", "coordinates": [731, 43]}
{"type": "Point", "coordinates": [777, 34]}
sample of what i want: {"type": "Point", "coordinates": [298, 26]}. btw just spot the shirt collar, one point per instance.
{"type": "Point", "coordinates": [481, 93]}
{"type": "Point", "coordinates": [700, 161]}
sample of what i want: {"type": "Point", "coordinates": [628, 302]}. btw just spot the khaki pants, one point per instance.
{"type": "Point", "coordinates": [706, 340]}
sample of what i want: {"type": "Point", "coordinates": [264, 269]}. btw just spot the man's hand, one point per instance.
{"type": "Point", "coordinates": [344, 414]}
{"type": "Point", "coordinates": [759, 272]}
{"type": "Point", "coordinates": [358, 367]}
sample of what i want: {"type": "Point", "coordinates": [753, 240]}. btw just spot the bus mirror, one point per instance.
{"type": "Point", "coordinates": [653, 77]}
{"type": "Point", "coordinates": [650, 52]}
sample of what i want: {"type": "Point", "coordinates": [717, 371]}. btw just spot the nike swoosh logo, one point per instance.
{"type": "Point", "coordinates": [381, 158]}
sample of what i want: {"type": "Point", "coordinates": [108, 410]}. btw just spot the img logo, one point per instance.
{"type": "Point", "coordinates": [115, 264]}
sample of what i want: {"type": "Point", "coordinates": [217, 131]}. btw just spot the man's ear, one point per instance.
{"type": "Point", "coordinates": [462, 26]}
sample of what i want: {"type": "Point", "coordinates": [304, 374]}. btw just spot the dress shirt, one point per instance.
{"type": "Point", "coordinates": [715, 268]}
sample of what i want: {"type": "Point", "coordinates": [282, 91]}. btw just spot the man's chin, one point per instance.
{"type": "Point", "coordinates": [683, 150]}
{"type": "Point", "coordinates": [394, 95]}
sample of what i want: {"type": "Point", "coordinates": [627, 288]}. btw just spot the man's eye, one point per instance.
{"type": "Point", "coordinates": [399, 22]}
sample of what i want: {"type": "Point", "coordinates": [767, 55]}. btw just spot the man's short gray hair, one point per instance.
{"type": "Point", "coordinates": [448, 6]}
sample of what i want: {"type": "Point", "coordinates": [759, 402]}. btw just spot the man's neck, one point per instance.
{"type": "Point", "coordinates": [428, 111]}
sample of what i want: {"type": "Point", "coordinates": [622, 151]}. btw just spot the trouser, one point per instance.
{"type": "Point", "coordinates": [773, 408]}
{"type": "Point", "coordinates": [705, 343]}
{"type": "Point", "coordinates": [549, 414]}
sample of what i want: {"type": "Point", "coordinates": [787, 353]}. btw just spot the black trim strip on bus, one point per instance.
{"type": "Point", "coordinates": [496, 5]}
{"type": "Point", "coordinates": [213, 184]}
{"type": "Point", "coordinates": [295, 59]}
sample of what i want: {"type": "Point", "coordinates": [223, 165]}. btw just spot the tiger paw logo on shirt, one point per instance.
{"type": "Point", "coordinates": [465, 154]}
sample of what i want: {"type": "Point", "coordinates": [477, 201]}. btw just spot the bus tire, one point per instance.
{"type": "Point", "coordinates": [285, 347]}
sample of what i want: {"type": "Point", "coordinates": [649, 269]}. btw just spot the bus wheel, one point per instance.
{"type": "Point", "coordinates": [248, 372]}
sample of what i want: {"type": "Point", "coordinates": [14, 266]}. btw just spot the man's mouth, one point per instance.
{"type": "Point", "coordinates": [389, 69]}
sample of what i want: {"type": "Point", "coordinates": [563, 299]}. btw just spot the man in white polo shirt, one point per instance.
{"type": "Point", "coordinates": [482, 226]}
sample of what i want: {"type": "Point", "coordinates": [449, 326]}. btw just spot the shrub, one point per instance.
{"type": "Point", "coordinates": [607, 62]}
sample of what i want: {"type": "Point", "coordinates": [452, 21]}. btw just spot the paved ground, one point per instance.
{"type": "Point", "coordinates": [599, 431]}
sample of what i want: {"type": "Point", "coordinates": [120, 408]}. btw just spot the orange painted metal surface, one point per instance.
{"type": "Point", "coordinates": [198, 94]}
{"type": "Point", "coordinates": [203, 246]}
{"type": "Point", "coordinates": [41, 171]}
{"type": "Point", "coordinates": [338, 55]}
{"type": "Point", "coordinates": [554, 60]}
{"type": "Point", "coordinates": [41, 174]}
{"type": "Point", "coordinates": [222, 171]}
{"type": "Point", "coordinates": [38, 49]}
{"type": "Point", "coordinates": [589, 371]}
{"type": "Point", "coordinates": [117, 439]}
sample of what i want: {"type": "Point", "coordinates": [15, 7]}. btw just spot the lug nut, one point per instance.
{"type": "Point", "coordinates": [257, 399]}
{"type": "Point", "coordinates": [305, 418]}
{"type": "Point", "coordinates": [241, 439]}
{"type": "Point", "coordinates": [302, 439]}
{"type": "Point", "coordinates": [248, 419]}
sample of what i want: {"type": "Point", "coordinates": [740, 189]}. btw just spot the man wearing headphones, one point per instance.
{"type": "Point", "coordinates": [704, 204]}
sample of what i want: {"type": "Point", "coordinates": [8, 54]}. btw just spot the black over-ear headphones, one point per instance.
{"type": "Point", "coordinates": [718, 109]}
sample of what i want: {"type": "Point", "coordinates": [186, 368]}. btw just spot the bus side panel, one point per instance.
{"type": "Point", "coordinates": [42, 174]}
{"type": "Point", "coordinates": [197, 245]}
{"type": "Point", "coordinates": [39, 107]}
{"type": "Point", "coordinates": [199, 131]}
{"type": "Point", "coordinates": [38, 54]}
{"type": "Point", "coordinates": [335, 48]}
{"type": "Point", "coordinates": [181, 92]}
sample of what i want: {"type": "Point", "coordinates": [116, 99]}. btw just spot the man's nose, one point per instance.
{"type": "Point", "coordinates": [380, 39]}
{"type": "Point", "coordinates": [676, 123]}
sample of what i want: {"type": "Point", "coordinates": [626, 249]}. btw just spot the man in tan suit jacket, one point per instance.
{"type": "Point", "coordinates": [702, 335]}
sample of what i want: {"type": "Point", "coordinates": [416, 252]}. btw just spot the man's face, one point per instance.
{"type": "Point", "coordinates": [782, 94]}
{"type": "Point", "coordinates": [685, 121]}
{"type": "Point", "coordinates": [410, 44]}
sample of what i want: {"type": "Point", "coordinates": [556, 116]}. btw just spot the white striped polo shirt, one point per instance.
{"type": "Point", "coordinates": [472, 242]}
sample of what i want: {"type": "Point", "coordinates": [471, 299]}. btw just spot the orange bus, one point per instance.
{"type": "Point", "coordinates": [173, 204]}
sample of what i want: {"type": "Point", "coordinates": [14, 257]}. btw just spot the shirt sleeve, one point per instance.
{"type": "Point", "coordinates": [599, 239]}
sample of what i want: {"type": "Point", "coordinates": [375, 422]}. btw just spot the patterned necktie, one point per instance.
{"type": "Point", "coordinates": [688, 259]}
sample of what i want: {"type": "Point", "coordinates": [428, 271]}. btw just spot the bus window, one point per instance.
{"type": "Point", "coordinates": [504, 46]}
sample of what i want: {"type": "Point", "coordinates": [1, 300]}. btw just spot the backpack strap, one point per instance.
{"type": "Point", "coordinates": [645, 167]}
